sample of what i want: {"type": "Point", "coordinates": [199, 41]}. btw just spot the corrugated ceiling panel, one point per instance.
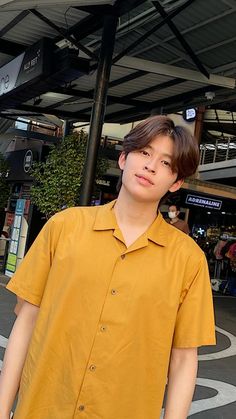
{"type": "Point", "coordinates": [138, 84]}
{"type": "Point", "coordinates": [117, 108]}
{"type": "Point", "coordinates": [74, 107]}
{"type": "Point", "coordinates": [220, 56]}
{"type": "Point", "coordinates": [210, 35]}
{"type": "Point", "coordinates": [6, 17]}
{"type": "Point", "coordinates": [171, 91]}
{"type": "Point", "coordinates": [118, 72]}
{"type": "Point", "coordinates": [29, 31]}
{"type": "Point", "coordinates": [41, 4]}
{"type": "Point", "coordinates": [31, 28]}
{"type": "Point", "coordinates": [198, 12]}
{"type": "Point", "coordinates": [67, 17]}
{"type": "Point", "coordinates": [157, 54]}
{"type": "Point", "coordinates": [85, 82]}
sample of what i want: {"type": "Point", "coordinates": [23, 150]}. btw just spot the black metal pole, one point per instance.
{"type": "Point", "coordinates": [99, 106]}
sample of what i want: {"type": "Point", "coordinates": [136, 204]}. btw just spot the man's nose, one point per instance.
{"type": "Point", "coordinates": [150, 168]}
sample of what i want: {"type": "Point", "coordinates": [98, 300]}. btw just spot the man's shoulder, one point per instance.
{"type": "Point", "coordinates": [74, 215]}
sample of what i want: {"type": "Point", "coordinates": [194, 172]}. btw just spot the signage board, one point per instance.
{"type": "Point", "coordinates": [28, 161]}
{"type": "Point", "coordinates": [189, 114]}
{"type": "Point", "coordinates": [26, 67]}
{"type": "Point", "coordinates": [15, 238]}
{"type": "Point", "coordinates": [202, 201]}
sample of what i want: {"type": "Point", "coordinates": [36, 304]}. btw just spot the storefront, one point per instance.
{"type": "Point", "coordinates": [212, 221]}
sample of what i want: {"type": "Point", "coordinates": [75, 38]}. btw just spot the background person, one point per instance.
{"type": "Point", "coordinates": [173, 214]}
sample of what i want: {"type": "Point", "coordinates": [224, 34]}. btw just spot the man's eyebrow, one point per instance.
{"type": "Point", "coordinates": [162, 154]}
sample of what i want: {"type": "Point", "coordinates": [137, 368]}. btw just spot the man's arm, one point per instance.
{"type": "Point", "coordinates": [181, 382]}
{"type": "Point", "coordinates": [15, 357]}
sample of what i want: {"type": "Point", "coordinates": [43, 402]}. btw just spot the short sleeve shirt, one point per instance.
{"type": "Point", "coordinates": [109, 316]}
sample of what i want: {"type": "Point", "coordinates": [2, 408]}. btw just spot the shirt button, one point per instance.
{"type": "Point", "coordinates": [103, 328]}
{"type": "Point", "coordinates": [122, 256]}
{"type": "Point", "coordinates": [92, 367]}
{"type": "Point", "coordinates": [113, 292]}
{"type": "Point", "coordinates": [81, 408]}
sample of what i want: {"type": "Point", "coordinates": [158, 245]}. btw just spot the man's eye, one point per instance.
{"type": "Point", "coordinates": [144, 152]}
{"type": "Point", "coordinates": [166, 163]}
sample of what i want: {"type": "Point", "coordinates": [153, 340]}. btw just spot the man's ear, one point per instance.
{"type": "Point", "coordinates": [122, 160]}
{"type": "Point", "coordinates": [176, 186]}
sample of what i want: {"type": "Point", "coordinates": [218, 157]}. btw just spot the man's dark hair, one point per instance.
{"type": "Point", "coordinates": [186, 151]}
{"type": "Point", "coordinates": [175, 205]}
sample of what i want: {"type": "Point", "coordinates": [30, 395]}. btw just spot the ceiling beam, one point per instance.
{"type": "Point", "coordinates": [176, 72]}
{"type": "Point", "coordinates": [91, 24]}
{"type": "Point", "coordinates": [188, 30]}
{"type": "Point", "coordinates": [14, 22]}
{"type": "Point", "coordinates": [151, 31]}
{"type": "Point", "coordinates": [63, 32]}
{"type": "Point", "coordinates": [181, 39]}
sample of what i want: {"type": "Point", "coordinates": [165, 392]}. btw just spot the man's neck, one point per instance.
{"type": "Point", "coordinates": [130, 212]}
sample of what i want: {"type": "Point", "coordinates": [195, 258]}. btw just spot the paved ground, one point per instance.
{"type": "Point", "coordinates": [215, 395]}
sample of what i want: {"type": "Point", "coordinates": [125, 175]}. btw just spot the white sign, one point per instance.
{"type": "Point", "coordinates": [9, 74]}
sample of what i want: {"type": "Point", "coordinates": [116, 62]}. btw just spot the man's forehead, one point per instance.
{"type": "Point", "coordinates": [157, 142]}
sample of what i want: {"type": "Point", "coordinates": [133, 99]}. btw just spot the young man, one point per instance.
{"type": "Point", "coordinates": [173, 214]}
{"type": "Point", "coordinates": [116, 300]}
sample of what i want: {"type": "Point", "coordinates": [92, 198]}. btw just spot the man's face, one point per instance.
{"type": "Point", "coordinates": [147, 173]}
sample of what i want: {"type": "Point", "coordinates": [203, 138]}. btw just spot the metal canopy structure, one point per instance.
{"type": "Point", "coordinates": [169, 55]}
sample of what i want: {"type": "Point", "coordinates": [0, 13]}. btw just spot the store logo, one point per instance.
{"type": "Point", "coordinates": [190, 114]}
{"type": "Point", "coordinates": [28, 161]}
{"type": "Point", "coordinates": [29, 66]}
{"type": "Point", "coordinates": [201, 201]}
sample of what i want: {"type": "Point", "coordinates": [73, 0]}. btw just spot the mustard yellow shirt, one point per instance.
{"type": "Point", "coordinates": [109, 316]}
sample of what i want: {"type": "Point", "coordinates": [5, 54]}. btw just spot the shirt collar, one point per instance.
{"type": "Point", "coordinates": [157, 232]}
{"type": "Point", "coordinates": [106, 220]}
{"type": "Point", "coordinates": [105, 217]}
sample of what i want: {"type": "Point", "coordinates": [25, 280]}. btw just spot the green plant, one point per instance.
{"type": "Point", "coordinates": [4, 187]}
{"type": "Point", "coordinates": [58, 179]}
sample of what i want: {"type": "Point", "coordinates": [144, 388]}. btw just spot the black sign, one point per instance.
{"type": "Point", "coordinates": [28, 161]}
{"type": "Point", "coordinates": [190, 114]}
{"type": "Point", "coordinates": [29, 65]}
{"type": "Point", "coordinates": [20, 162]}
{"type": "Point", "coordinates": [201, 201]}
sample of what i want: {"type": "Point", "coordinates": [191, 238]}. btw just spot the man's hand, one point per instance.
{"type": "Point", "coordinates": [181, 382]}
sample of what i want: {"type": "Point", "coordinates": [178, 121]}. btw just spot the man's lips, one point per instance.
{"type": "Point", "coordinates": [145, 179]}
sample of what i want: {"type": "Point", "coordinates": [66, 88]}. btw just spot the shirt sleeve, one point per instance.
{"type": "Point", "coordinates": [31, 276]}
{"type": "Point", "coordinates": [195, 325]}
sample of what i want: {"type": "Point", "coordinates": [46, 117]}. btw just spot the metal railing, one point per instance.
{"type": "Point", "coordinates": [221, 150]}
